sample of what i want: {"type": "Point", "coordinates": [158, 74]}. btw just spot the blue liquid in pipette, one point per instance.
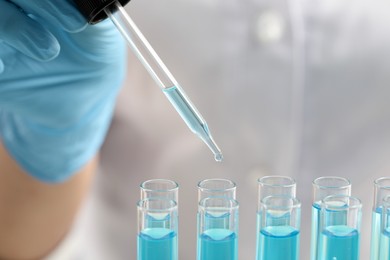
{"type": "Point", "coordinates": [384, 252]}
{"type": "Point", "coordinates": [375, 233]}
{"type": "Point", "coordinates": [192, 117]}
{"type": "Point", "coordinates": [278, 243]}
{"type": "Point", "coordinates": [339, 243]}
{"type": "Point", "coordinates": [218, 244]}
{"type": "Point", "coordinates": [157, 244]}
{"type": "Point", "coordinates": [315, 222]}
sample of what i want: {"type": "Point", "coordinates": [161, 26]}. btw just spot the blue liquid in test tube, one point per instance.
{"type": "Point", "coordinates": [315, 220]}
{"type": "Point", "coordinates": [217, 229]}
{"type": "Point", "coordinates": [274, 185]}
{"type": "Point", "coordinates": [279, 242]}
{"type": "Point", "coordinates": [218, 244]}
{"type": "Point", "coordinates": [208, 188]}
{"type": "Point", "coordinates": [157, 229]}
{"type": "Point", "coordinates": [315, 235]}
{"type": "Point", "coordinates": [381, 191]}
{"type": "Point", "coordinates": [375, 233]}
{"type": "Point", "coordinates": [157, 244]}
{"type": "Point", "coordinates": [278, 238]}
{"type": "Point", "coordinates": [323, 187]}
{"type": "Point", "coordinates": [385, 245]}
{"type": "Point", "coordinates": [340, 219]}
{"type": "Point", "coordinates": [339, 243]}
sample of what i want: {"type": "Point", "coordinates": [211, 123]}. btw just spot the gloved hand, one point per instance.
{"type": "Point", "coordinates": [58, 82]}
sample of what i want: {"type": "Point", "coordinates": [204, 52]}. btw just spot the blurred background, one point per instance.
{"type": "Point", "coordinates": [288, 87]}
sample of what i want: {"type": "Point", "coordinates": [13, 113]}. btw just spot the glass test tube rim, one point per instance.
{"type": "Point", "coordinates": [232, 187]}
{"type": "Point", "coordinates": [291, 184]}
{"type": "Point", "coordinates": [381, 188]}
{"type": "Point", "coordinates": [333, 207]}
{"type": "Point", "coordinates": [378, 183]}
{"type": "Point", "coordinates": [296, 202]}
{"type": "Point", "coordinates": [172, 207]}
{"type": "Point", "coordinates": [323, 187]}
{"type": "Point", "coordinates": [176, 185]}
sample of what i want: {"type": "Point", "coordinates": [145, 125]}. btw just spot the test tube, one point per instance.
{"type": "Point", "coordinates": [275, 185]}
{"type": "Point", "coordinates": [279, 228]}
{"type": "Point", "coordinates": [216, 188]}
{"type": "Point", "coordinates": [157, 229]}
{"type": "Point", "coordinates": [381, 191]}
{"type": "Point", "coordinates": [340, 228]}
{"type": "Point", "coordinates": [323, 187]}
{"type": "Point", "coordinates": [211, 188]}
{"type": "Point", "coordinates": [272, 186]}
{"type": "Point", "coordinates": [384, 253]}
{"type": "Point", "coordinates": [218, 229]}
{"type": "Point", "coordinates": [160, 188]}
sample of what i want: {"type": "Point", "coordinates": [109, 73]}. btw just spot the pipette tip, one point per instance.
{"type": "Point", "coordinates": [218, 157]}
{"type": "Point", "coordinates": [214, 148]}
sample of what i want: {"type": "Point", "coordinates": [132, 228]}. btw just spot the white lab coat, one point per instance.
{"type": "Point", "coordinates": [296, 87]}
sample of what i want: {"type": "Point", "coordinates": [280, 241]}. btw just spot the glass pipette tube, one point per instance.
{"type": "Point", "coordinates": [160, 73]}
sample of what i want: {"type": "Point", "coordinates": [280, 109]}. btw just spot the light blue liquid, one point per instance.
{"type": "Point", "coordinates": [375, 233]}
{"type": "Point", "coordinates": [218, 244]}
{"type": "Point", "coordinates": [339, 243]}
{"type": "Point", "coordinates": [187, 111]}
{"type": "Point", "coordinates": [198, 237]}
{"type": "Point", "coordinates": [258, 235]}
{"type": "Point", "coordinates": [384, 252]}
{"type": "Point", "coordinates": [278, 243]}
{"type": "Point", "coordinates": [157, 244]}
{"type": "Point", "coordinates": [315, 222]}
{"type": "Point", "coordinates": [192, 118]}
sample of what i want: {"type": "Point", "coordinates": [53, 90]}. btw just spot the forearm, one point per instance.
{"type": "Point", "coordinates": [35, 216]}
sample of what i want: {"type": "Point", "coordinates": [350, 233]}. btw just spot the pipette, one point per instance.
{"type": "Point", "coordinates": [98, 10]}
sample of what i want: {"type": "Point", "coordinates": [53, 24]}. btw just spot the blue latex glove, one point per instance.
{"type": "Point", "coordinates": [58, 83]}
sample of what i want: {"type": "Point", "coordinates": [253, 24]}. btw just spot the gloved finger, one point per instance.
{"type": "Point", "coordinates": [61, 13]}
{"type": "Point", "coordinates": [26, 35]}
{"type": "Point", "coordinates": [102, 41]}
